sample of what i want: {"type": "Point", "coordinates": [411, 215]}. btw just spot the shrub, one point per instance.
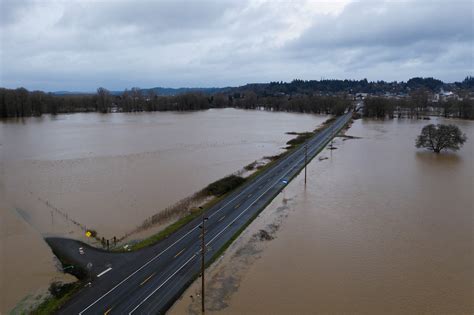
{"type": "Point", "coordinates": [59, 289]}
{"type": "Point", "coordinates": [224, 185]}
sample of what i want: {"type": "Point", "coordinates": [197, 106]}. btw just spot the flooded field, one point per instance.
{"type": "Point", "coordinates": [111, 172]}
{"type": "Point", "coordinates": [27, 264]}
{"type": "Point", "coordinates": [381, 228]}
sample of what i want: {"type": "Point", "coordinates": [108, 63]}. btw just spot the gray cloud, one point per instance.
{"type": "Point", "coordinates": [393, 24]}
{"type": "Point", "coordinates": [393, 40]}
{"type": "Point", "coordinates": [11, 10]}
{"type": "Point", "coordinates": [146, 15]}
{"type": "Point", "coordinates": [79, 45]}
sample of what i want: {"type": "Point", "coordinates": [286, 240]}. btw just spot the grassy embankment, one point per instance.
{"type": "Point", "coordinates": [218, 190]}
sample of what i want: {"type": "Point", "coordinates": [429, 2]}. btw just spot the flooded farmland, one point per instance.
{"type": "Point", "coordinates": [381, 228]}
{"type": "Point", "coordinates": [111, 172]}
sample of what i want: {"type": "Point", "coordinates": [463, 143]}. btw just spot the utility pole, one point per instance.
{"type": "Point", "coordinates": [203, 253]}
{"type": "Point", "coordinates": [331, 147]}
{"type": "Point", "coordinates": [305, 161]}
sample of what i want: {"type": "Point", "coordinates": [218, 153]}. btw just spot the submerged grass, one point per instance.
{"type": "Point", "coordinates": [170, 229]}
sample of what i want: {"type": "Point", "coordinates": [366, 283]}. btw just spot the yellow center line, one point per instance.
{"type": "Point", "coordinates": [237, 205]}
{"type": "Point", "coordinates": [250, 195]}
{"type": "Point", "coordinates": [222, 218]}
{"type": "Point", "coordinates": [144, 281]}
{"type": "Point", "coordinates": [179, 253]}
{"type": "Point", "coordinates": [108, 311]}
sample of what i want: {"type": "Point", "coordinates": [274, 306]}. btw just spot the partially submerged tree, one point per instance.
{"type": "Point", "coordinates": [103, 100]}
{"type": "Point", "coordinates": [441, 137]}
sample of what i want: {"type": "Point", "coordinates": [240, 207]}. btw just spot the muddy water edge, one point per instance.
{"type": "Point", "coordinates": [380, 228]}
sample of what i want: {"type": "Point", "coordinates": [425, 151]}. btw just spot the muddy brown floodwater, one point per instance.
{"type": "Point", "coordinates": [382, 228]}
{"type": "Point", "coordinates": [111, 172]}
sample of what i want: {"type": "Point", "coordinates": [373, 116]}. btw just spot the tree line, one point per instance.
{"type": "Point", "coordinates": [335, 105]}
{"type": "Point", "coordinates": [23, 103]}
{"type": "Point", "coordinates": [417, 106]}
{"type": "Point", "coordinates": [326, 86]}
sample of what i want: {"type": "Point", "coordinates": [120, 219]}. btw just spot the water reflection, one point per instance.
{"type": "Point", "coordinates": [449, 159]}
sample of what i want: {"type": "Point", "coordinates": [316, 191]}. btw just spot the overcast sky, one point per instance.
{"type": "Point", "coordinates": [81, 45]}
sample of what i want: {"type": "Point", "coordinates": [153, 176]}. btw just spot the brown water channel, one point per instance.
{"type": "Point", "coordinates": [111, 172]}
{"type": "Point", "coordinates": [381, 228]}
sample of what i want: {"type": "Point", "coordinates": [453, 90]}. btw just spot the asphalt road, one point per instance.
{"type": "Point", "coordinates": [150, 280]}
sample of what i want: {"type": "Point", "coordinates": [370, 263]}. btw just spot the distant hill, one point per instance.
{"type": "Point", "coordinates": [177, 91]}
{"type": "Point", "coordinates": [307, 87]}
{"type": "Point", "coordinates": [71, 93]}
{"type": "Point", "coordinates": [162, 91]}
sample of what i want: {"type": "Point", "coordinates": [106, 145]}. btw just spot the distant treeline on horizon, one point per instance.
{"type": "Point", "coordinates": [313, 96]}
{"type": "Point", "coordinates": [307, 86]}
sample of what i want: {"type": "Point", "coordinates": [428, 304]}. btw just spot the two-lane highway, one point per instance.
{"type": "Point", "coordinates": [150, 280]}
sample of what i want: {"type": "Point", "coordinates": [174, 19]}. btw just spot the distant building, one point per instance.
{"type": "Point", "coordinates": [361, 96]}
{"type": "Point", "coordinates": [444, 95]}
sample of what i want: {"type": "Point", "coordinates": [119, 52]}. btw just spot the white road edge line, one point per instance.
{"type": "Point", "coordinates": [217, 235]}
{"type": "Point", "coordinates": [190, 231]}
{"type": "Point", "coordinates": [159, 287]}
{"type": "Point", "coordinates": [253, 202]}
{"type": "Point", "coordinates": [133, 273]}
{"type": "Point", "coordinates": [104, 272]}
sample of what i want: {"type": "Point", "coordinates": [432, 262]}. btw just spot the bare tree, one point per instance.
{"type": "Point", "coordinates": [419, 99]}
{"type": "Point", "coordinates": [136, 94]}
{"type": "Point", "coordinates": [440, 137]}
{"type": "Point", "coordinates": [126, 101]}
{"type": "Point", "coordinates": [103, 100]}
